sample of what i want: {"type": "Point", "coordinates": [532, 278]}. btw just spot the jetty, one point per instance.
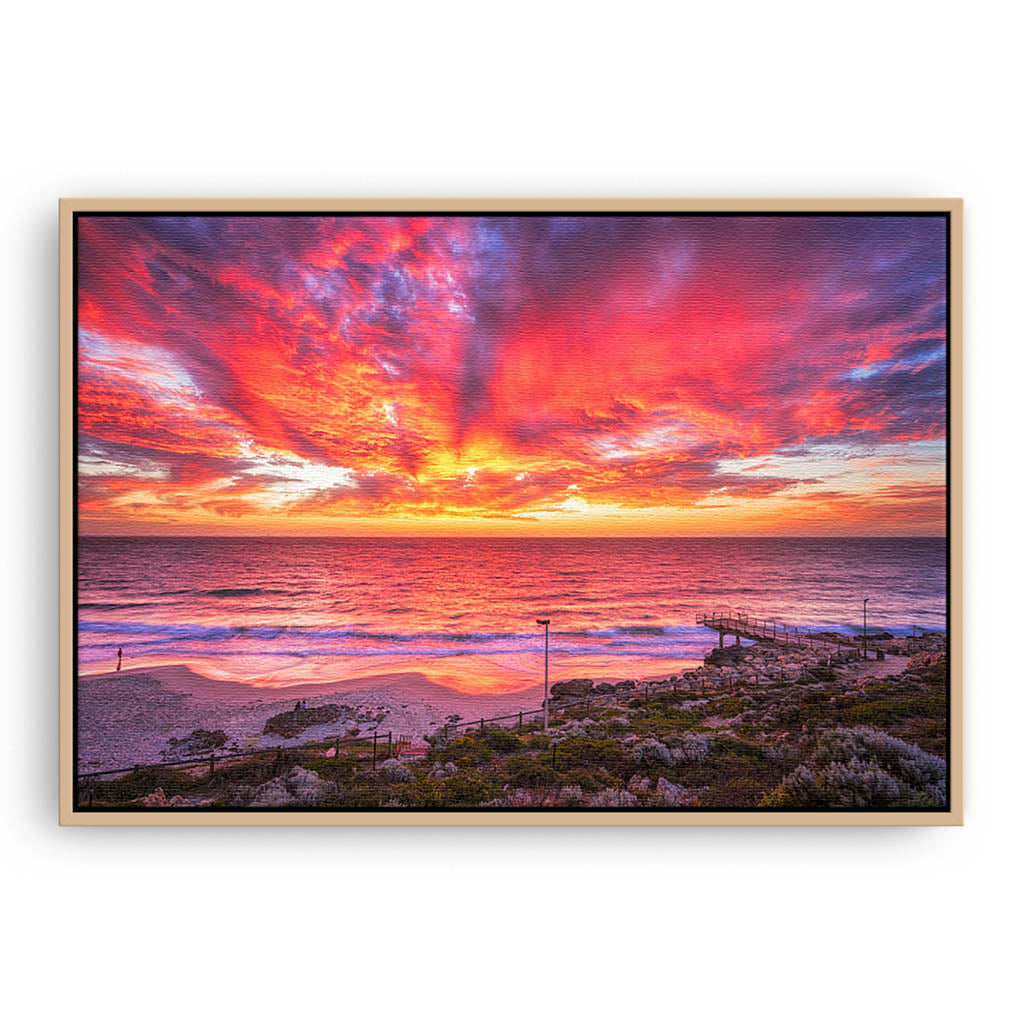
{"type": "Point", "coordinates": [741, 626]}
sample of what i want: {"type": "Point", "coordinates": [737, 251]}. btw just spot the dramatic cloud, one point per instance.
{"type": "Point", "coordinates": [512, 374]}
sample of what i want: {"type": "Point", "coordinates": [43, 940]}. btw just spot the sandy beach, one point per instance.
{"type": "Point", "coordinates": [130, 717]}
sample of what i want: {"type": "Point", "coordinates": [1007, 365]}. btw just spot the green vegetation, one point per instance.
{"type": "Point", "coordinates": [825, 742]}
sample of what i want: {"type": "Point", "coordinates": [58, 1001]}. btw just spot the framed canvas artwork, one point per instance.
{"type": "Point", "coordinates": [511, 512]}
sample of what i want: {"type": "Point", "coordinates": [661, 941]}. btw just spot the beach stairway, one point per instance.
{"type": "Point", "coordinates": [406, 749]}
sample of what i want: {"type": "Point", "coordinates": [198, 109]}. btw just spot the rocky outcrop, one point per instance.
{"type": "Point", "coordinates": [293, 723]}
{"type": "Point", "coordinates": [300, 787]}
{"type": "Point", "coordinates": [612, 798]}
{"type": "Point", "coordinates": [572, 688]}
{"type": "Point", "coordinates": [731, 655]}
{"type": "Point", "coordinates": [395, 771]}
{"type": "Point", "coordinates": [199, 741]}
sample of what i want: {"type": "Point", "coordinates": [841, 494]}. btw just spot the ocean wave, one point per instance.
{"type": "Point", "coordinates": [161, 647]}
{"type": "Point", "coordinates": [232, 592]}
{"type": "Point", "coordinates": [111, 606]}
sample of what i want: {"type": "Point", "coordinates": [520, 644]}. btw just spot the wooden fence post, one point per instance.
{"type": "Point", "coordinates": [520, 721]}
{"type": "Point", "coordinates": [374, 751]}
{"type": "Point", "coordinates": [389, 744]}
{"type": "Point", "coordinates": [211, 766]}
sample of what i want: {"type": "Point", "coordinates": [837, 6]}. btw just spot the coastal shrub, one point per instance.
{"type": "Point", "coordinates": [692, 748]}
{"type": "Point", "coordinates": [137, 784]}
{"type": "Point", "coordinates": [584, 753]}
{"type": "Point", "coordinates": [589, 782]}
{"type": "Point", "coordinates": [579, 711]}
{"type": "Point", "coordinates": [527, 772]}
{"type": "Point", "coordinates": [651, 753]}
{"type": "Point", "coordinates": [472, 747]}
{"type": "Point", "coordinates": [337, 769]}
{"type": "Point", "coordinates": [890, 712]}
{"type": "Point", "coordinates": [612, 798]}
{"type": "Point", "coordinates": [727, 707]}
{"type": "Point", "coordinates": [468, 790]}
{"type": "Point", "coordinates": [863, 767]}
{"type": "Point", "coordinates": [570, 796]}
{"type": "Point", "coordinates": [501, 740]}
{"type": "Point", "coordinates": [420, 792]}
{"type": "Point", "coordinates": [537, 741]}
{"type": "Point", "coordinates": [658, 721]}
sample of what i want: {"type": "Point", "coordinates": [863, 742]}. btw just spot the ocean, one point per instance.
{"type": "Point", "coordinates": [463, 611]}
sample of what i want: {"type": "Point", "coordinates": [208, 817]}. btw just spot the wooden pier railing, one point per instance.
{"type": "Point", "coordinates": [739, 625]}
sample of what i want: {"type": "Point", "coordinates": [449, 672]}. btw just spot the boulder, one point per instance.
{"type": "Point", "coordinates": [638, 784]}
{"type": "Point", "coordinates": [292, 723]}
{"type": "Point", "coordinates": [158, 798]}
{"type": "Point", "coordinates": [394, 771]}
{"type": "Point", "coordinates": [199, 741]}
{"type": "Point", "coordinates": [300, 787]}
{"type": "Point", "coordinates": [670, 792]}
{"type": "Point", "coordinates": [307, 787]}
{"type": "Point", "coordinates": [612, 798]}
{"type": "Point", "coordinates": [726, 655]}
{"type": "Point", "coordinates": [572, 688]}
{"type": "Point", "coordinates": [272, 794]}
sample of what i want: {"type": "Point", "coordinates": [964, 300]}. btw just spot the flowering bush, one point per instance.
{"type": "Point", "coordinates": [863, 767]}
{"type": "Point", "coordinates": [693, 748]}
{"type": "Point", "coordinates": [652, 753]}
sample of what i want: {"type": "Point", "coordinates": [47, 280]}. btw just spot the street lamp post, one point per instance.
{"type": "Point", "coordinates": [866, 628]}
{"type": "Point", "coordinates": [545, 623]}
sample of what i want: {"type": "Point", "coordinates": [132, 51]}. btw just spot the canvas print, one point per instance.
{"type": "Point", "coordinates": [474, 512]}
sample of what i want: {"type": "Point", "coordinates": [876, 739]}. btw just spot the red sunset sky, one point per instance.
{"type": "Point", "coordinates": [512, 375]}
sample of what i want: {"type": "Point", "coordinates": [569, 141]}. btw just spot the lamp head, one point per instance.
{"type": "Point", "coordinates": [543, 622]}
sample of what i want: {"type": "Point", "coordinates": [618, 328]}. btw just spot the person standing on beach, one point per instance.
{"type": "Point", "coordinates": [118, 669]}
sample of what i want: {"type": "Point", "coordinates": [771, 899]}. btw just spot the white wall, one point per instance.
{"type": "Point", "coordinates": [279, 99]}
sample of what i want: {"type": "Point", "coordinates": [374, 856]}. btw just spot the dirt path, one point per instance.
{"type": "Point", "coordinates": [858, 670]}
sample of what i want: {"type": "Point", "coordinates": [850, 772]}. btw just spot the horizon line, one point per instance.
{"type": "Point", "coordinates": [467, 536]}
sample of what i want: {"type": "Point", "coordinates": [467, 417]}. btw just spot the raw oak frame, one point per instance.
{"type": "Point", "coordinates": [952, 207]}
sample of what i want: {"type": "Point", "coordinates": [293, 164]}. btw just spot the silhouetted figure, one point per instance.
{"type": "Point", "coordinates": [118, 669]}
{"type": "Point", "coordinates": [298, 704]}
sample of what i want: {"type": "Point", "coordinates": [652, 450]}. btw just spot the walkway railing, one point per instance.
{"type": "Point", "coordinates": [740, 625]}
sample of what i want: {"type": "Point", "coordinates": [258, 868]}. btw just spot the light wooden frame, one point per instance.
{"type": "Point", "coordinates": [952, 207]}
